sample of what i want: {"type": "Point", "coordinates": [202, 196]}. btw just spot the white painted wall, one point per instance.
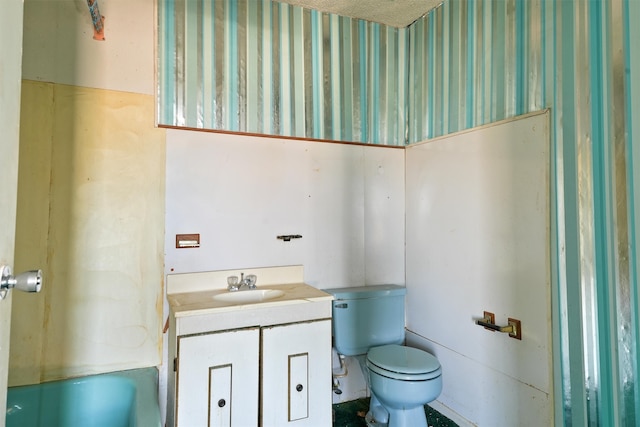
{"type": "Point", "coordinates": [59, 45]}
{"type": "Point", "coordinates": [478, 239]}
{"type": "Point", "coordinates": [240, 192]}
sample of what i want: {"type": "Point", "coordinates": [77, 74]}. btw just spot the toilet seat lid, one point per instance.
{"type": "Point", "coordinates": [401, 362]}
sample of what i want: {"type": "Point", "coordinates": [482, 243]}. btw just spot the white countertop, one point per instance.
{"type": "Point", "coordinates": [202, 302]}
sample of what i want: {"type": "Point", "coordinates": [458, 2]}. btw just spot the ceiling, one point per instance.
{"type": "Point", "coordinates": [395, 13]}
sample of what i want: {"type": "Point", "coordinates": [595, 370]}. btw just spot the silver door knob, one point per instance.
{"type": "Point", "coordinates": [29, 281]}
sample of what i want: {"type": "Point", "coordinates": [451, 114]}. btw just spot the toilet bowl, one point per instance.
{"type": "Point", "coordinates": [402, 380]}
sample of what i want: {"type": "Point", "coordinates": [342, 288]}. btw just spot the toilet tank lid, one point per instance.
{"type": "Point", "coordinates": [363, 292]}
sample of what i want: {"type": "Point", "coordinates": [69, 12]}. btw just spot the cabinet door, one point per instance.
{"type": "Point", "coordinates": [296, 375]}
{"type": "Point", "coordinates": [217, 379]}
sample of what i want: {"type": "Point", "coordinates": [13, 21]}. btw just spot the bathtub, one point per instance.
{"type": "Point", "coordinates": [118, 399]}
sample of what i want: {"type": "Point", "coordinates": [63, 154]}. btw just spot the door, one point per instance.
{"type": "Point", "coordinates": [10, 81]}
{"type": "Point", "coordinates": [296, 375]}
{"type": "Point", "coordinates": [217, 379]}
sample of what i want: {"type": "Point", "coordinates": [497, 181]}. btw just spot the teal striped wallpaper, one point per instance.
{"type": "Point", "coordinates": [476, 62]}
{"type": "Point", "coordinates": [265, 67]}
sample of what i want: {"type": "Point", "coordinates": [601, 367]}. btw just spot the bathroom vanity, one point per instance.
{"type": "Point", "coordinates": [250, 357]}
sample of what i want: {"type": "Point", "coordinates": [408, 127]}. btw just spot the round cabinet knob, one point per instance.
{"type": "Point", "coordinates": [221, 403]}
{"type": "Point", "coordinates": [299, 387]}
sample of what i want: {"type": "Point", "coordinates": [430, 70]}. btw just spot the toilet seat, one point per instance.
{"type": "Point", "coordinates": [403, 363]}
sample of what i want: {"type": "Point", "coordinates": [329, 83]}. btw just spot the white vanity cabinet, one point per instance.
{"type": "Point", "coordinates": [245, 365]}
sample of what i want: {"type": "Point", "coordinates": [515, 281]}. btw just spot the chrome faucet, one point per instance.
{"type": "Point", "coordinates": [233, 284]}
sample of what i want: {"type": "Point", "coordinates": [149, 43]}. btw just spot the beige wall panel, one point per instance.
{"type": "Point", "coordinates": [103, 292]}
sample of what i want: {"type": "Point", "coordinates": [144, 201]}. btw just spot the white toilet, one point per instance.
{"type": "Point", "coordinates": [370, 319]}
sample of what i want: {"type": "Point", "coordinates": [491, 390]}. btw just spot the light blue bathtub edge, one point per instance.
{"type": "Point", "coordinates": [147, 406]}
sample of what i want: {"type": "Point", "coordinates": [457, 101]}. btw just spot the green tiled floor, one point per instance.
{"type": "Point", "coordinates": [351, 414]}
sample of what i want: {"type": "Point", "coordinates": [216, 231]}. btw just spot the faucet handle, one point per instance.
{"type": "Point", "coordinates": [233, 282]}
{"type": "Point", "coordinates": [251, 281]}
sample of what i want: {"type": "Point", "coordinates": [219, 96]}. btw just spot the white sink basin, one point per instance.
{"type": "Point", "coordinates": [249, 296]}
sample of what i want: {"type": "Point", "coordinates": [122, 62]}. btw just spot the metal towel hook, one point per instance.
{"type": "Point", "coordinates": [288, 237]}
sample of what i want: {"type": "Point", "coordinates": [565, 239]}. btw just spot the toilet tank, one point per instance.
{"type": "Point", "coordinates": [367, 316]}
